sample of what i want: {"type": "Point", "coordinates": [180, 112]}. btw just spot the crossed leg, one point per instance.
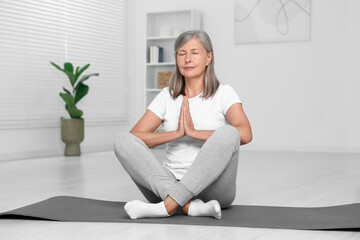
{"type": "Point", "coordinates": [212, 176]}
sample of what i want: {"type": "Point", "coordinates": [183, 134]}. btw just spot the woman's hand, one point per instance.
{"type": "Point", "coordinates": [181, 128]}
{"type": "Point", "coordinates": [188, 123]}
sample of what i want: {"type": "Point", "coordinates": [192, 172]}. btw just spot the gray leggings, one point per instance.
{"type": "Point", "coordinates": [211, 176]}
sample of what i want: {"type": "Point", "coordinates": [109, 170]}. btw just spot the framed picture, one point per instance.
{"type": "Point", "coordinates": [259, 21]}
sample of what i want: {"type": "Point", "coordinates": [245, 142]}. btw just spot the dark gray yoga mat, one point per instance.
{"type": "Point", "coordinates": [74, 209]}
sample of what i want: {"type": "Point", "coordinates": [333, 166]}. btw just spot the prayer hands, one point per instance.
{"type": "Point", "coordinates": [186, 125]}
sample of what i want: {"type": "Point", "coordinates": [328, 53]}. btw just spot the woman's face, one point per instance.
{"type": "Point", "coordinates": [192, 59]}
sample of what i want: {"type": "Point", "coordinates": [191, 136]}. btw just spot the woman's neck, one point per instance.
{"type": "Point", "coordinates": [193, 87]}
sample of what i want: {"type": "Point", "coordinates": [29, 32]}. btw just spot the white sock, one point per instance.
{"type": "Point", "coordinates": [198, 208]}
{"type": "Point", "coordinates": [138, 209]}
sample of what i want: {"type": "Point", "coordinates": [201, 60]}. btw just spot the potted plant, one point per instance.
{"type": "Point", "coordinates": [72, 130]}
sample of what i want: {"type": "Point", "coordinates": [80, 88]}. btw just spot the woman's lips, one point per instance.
{"type": "Point", "coordinates": [188, 68]}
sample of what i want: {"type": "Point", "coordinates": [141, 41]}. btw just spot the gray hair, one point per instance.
{"type": "Point", "coordinates": [177, 81]}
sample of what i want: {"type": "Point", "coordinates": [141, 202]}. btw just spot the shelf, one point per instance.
{"type": "Point", "coordinates": [153, 89]}
{"type": "Point", "coordinates": [162, 38]}
{"type": "Point", "coordinates": [160, 64]}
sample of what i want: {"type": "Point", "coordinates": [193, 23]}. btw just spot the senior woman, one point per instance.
{"type": "Point", "coordinates": [204, 125]}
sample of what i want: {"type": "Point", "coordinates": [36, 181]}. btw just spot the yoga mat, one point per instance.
{"type": "Point", "coordinates": [74, 209]}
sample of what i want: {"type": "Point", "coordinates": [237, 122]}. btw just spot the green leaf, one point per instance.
{"type": "Point", "coordinates": [70, 106]}
{"type": "Point", "coordinates": [82, 70]}
{"type": "Point", "coordinates": [86, 77]}
{"type": "Point", "coordinates": [74, 112]}
{"type": "Point", "coordinates": [57, 66]}
{"type": "Point", "coordinates": [77, 70]}
{"type": "Point", "coordinates": [68, 99]}
{"type": "Point", "coordinates": [67, 91]}
{"type": "Point", "coordinates": [68, 67]}
{"type": "Point", "coordinates": [81, 91]}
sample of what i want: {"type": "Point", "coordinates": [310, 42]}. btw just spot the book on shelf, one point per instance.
{"type": "Point", "coordinates": [156, 54]}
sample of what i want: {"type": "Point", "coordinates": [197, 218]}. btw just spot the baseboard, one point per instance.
{"type": "Point", "coordinates": [97, 148]}
{"type": "Point", "coordinates": [30, 154]}
{"type": "Point", "coordinates": [50, 152]}
{"type": "Point", "coordinates": [324, 149]}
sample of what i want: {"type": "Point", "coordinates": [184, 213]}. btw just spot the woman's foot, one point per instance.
{"type": "Point", "coordinates": [138, 209]}
{"type": "Point", "coordinates": [198, 208]}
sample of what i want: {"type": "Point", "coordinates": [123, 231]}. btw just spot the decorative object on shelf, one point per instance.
{"type": "Point", "coordinates": [164, 78]}
{"type": "Point", "coordinates": [164, 32]}
{"type": "Point", "coordinates": [156, 54]}
{"type": "Point", "coordinates": [177, 31]}
{"type": "Point", "coordinates": [72, 130]}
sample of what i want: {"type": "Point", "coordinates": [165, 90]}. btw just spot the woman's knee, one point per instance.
{"type": "Point", "coordinates": [230, 133]}
{"type": "Point", "coordinates": [122, 144]}
{"type": "Point", "coordinates": [120, 140]}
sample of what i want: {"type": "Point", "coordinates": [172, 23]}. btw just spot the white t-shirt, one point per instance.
{"type": "Point", "coordinates": [206, 115]}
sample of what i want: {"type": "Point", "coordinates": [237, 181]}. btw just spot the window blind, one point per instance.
{"type": "Point", "coordinates": [34, 33]}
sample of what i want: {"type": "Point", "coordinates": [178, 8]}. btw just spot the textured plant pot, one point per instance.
{"type": "Point", "coordinates": [72, 134]}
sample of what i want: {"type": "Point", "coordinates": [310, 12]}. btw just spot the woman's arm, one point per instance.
{"type": "Point", "coordinates": [145, 127]}
{"type": "Point", "coordinates": [235, 115]}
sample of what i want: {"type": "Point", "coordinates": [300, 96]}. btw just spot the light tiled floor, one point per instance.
{"type": "Point", "coordinates": [264, 178]}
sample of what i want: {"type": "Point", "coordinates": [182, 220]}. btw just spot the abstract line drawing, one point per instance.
{"type": "Point", "coordinates": [259, 21]}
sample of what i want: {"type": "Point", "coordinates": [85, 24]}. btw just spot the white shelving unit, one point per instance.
{"type": "Point", "coordinates": [156, 23]}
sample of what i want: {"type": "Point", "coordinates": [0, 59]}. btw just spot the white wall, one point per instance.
{"type": "Point", "coordinates": [298, 96]}
{"type": "Point", "coordinates": [39, 142]}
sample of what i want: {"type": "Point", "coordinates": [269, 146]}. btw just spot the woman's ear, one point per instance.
{"type": "Point", "coordinates": [209, 58]}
